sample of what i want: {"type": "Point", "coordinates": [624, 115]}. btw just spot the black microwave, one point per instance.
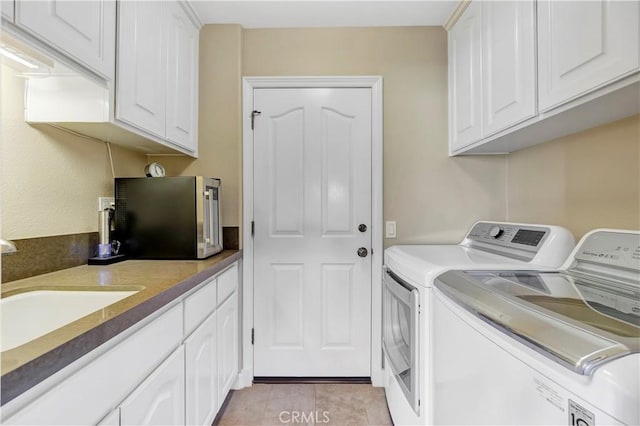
{"type": "Point", "coordinates": [168, 217]}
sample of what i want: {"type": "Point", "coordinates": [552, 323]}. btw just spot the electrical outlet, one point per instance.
{"type": "Point", "coordinates": [390, 229]}
{"type": "Point", "coordinates": [106, 203]}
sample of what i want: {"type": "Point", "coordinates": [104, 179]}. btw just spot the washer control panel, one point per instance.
{"type": "Point", "coordinates": [613, 249]}
{"type": "Point", "coordinates": [507, 235]}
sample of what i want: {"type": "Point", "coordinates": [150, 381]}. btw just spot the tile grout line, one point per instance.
{"type": "Point", "coordinates": [263, 419]}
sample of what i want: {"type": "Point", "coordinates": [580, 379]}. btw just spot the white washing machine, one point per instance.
{"type": "Point", "coordinates": [542, 348]}
{"type": "Point", "coordinates": [409, 273]}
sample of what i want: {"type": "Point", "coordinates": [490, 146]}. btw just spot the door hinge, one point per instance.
{"type": "Point", "coordinates": [254, 113]}
{"type": "Point", "coordinates": [253, 228]}
{"type": "Point", "coordinates": [253, 335]}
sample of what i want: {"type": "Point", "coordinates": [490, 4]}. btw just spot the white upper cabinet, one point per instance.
{"type": "Point", "coordinates": [465, 79]}
{"type": "Point", "coordinates": [584, 45]}
{"type": "Point", "coordinates": [157, 80]}
{"type": "Point", "coordinates": [141, 78]}
{"type": "Point", "coordinates": [182, 78]}
{"type": "Point", "coordinates": [83, 30]}
{"type": "Point", "coordinates": [6, 9]}
{"type": "Point", "coordinates": [526, 72]}
{"type": "Point", "coordinates": [491, 70]}
{"type": "Point", "coordinates": [508, 64]}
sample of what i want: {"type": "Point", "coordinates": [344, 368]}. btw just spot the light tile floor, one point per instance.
{"type": "Point", "coordinates": [307, 404]}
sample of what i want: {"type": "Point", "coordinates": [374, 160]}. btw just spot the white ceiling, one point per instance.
{"type": "Point", "coordinates": [328, 13]}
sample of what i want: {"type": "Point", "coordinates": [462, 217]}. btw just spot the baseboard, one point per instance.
{"type": "Point", "coordinates": [317, 380]}
{"type": "Point", "coordinates": [244, 379]}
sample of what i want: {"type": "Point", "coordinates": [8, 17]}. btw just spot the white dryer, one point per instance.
{"type": "Point", "coordinates": [409, 273]}
{"type": "Point", "coordinates": [542, 348]}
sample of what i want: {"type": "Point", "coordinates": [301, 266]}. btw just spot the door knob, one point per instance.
{"type": "Point", "coordinates": [363, 252]}
{"type": "Point", "coordinates": [362, 227]}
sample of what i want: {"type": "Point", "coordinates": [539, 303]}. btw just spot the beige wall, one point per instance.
{"type": "Point", "coordinates": [433, 198]}
{"type": "Point", "coordinates": [220, 146]}
{"type": "Point", "coordinates": [51, 180]}
{"type": "Point", "coordinates": [583, 181]}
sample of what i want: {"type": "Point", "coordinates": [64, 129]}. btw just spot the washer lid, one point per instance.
{"type": "Point", "coordinates": [577, 322]}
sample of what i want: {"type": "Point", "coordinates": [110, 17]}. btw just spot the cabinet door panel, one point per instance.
{"type": "Point", "coordinates": [227, 345]}
{"type": "Point", "coordinates": [6, 9]}
{"type": "Point", "coordinates": [85, 30]}
{"type": "Point", "coordinates": [584, 45]}
{"type": "Point", "coordinates": [141, 78]}
{"type": "Point", "coordinates": [202, 379]}
{"type": "Point", "coordinates": [227, 283]}
{"type": "Point", "coordinates": [182, 79]}
{"type": "Point", "coordinates": [465, 79]}
{"type": "Point", "coordinates": [107, 379]}
{"type": "Point", "coordinates": [508, 61]}
{"type": "Point", "coordinates": [112, 419]}
{"type": "Point", "coordinates": [159, 400]}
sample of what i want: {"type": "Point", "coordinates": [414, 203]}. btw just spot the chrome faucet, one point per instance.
{"type": "Point", "coordinates": [8, 247]}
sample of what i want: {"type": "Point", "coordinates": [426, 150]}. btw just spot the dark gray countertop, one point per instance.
{"type": "Point", "coordinates": [159, 281]}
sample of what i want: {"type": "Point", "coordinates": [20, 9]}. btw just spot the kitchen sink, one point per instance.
{"type": "Point", "coordinates": [27, 316]}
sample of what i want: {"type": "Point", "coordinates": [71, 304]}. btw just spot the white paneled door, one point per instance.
{"type": "Point", "coordinates": [312, 213]}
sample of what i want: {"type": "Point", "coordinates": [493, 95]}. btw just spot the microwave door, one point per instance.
{"type": "Point", "coordinates": [211, 220]}
{"type": "Point", "coordinates": [207, 231]}
{"type": "Point", "coordinates": [212, 215]}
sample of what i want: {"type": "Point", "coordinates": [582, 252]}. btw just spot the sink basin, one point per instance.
{"type": "Point", "coordinates": [27, 316]}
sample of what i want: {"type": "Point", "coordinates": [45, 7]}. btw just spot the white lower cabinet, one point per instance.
{"type": "Point", "coordinates": [95, 386]}
{"type": "Point", "coordinates": [6, 9]}
{"type": "Point", "coordinates": [159, 400]}
{"type": "Point", "coordinates": [112, 419]}
{"type": "Point", "coordinates": [227, 344]}
{"type": "Point", "coordinates": [154, 376]}
{"type": "Point", "coordinates": [202, 373]}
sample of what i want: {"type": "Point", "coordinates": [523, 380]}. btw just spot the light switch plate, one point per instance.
{"type": "Point", "coordinates": [390, 229]}
{"type": "Point", "coordinates": [106, 203]}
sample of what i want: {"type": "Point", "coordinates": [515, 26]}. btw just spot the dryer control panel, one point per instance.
{"type": "Point", "coordinates": [507, 234]}
{"type": "Point", "coordinates": [542, 245]}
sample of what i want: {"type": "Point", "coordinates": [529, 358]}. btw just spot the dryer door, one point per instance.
{"type": "Point", "coordinates": [400, 334]}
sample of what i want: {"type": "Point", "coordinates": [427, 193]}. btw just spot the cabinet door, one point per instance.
{"type": "Point", "coordinates": [111, 419]}
{"type": "Point", "coordinates": [227, 345]}
{"type": "Point", "coordinates": [182, 78]}
{"type": "Point", "coordinates": [202, 379]}
{"type": "Point", "coordinates": [84, 30]}
{"type": "Point", "coordinates": [508, 64]}
{"type": "Point", "coordinates": [142, 65]}
{"type": "Point", "coordinates": [464, 79]}
{"type": "Point", "coordinates": [584, 45]}
{"type": "Point", "coordinates": [6, 9]}
{"type": "Point", "coordinates": [159, 400]}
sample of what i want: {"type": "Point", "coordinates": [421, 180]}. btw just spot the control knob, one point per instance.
{"type": "Point", "coordinates": [495, 232]}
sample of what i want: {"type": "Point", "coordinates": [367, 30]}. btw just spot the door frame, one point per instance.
{"type": "Point", "coordinates": [245, 376]}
